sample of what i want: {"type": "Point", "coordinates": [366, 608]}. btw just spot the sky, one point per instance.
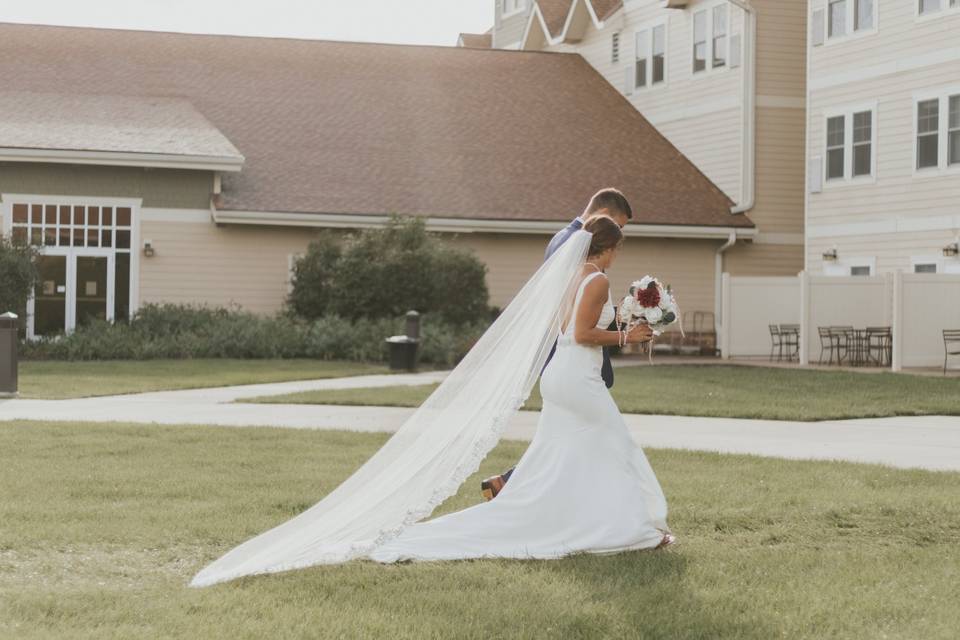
{"type": "Point", "coordinates": [396, 21]}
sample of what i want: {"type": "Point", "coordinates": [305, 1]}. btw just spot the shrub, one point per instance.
{"type": "Point", "coordinates": [382, 273]}
{"type": "Point", "coordinates": [18, 274]}
{"type": "Point", "coordinates": [175, 331]}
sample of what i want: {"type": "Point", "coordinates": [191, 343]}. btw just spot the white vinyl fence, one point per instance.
{"type": "Point", "coordinates": [750, 306]}
{"type": "Point", "coordinates": [916, 306]}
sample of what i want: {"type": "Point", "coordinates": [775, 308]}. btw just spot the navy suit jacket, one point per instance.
{"type": "Point", "coordinates": [606, 371]}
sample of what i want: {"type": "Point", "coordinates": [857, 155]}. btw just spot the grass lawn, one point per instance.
{"type": "Point", "coordinates": [724, 391]}
{"type": "Point", "coordinates": [103, 526]}
{"type": "Point", "coordinates": [57, 379]}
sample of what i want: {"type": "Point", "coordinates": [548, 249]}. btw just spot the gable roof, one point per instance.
{"type": "Point", "coordinates": [554, 17]}
{"type": "Point", "coordinates": [110, 129]}
{"type": "Point", "coordinates": [476, 40]}
{"type": "Point", "coordinates": [369, 129]}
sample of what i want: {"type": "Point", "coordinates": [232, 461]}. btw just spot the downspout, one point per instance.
{"type": "Point", "coordinates": [718, 281]}
{"type": "Point", "coordinates": [749, 112]}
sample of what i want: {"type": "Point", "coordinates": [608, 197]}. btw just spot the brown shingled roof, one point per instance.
{"type": "Point", "coordinates": [352, 128]}
{"type": "Point", "coordinates": [554, 14]}
{"type": "Point", "coordinates": [476, 40]}
{"type": "Point", "coordinates": [605, 8]}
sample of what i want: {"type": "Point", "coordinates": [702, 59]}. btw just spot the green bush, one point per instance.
{"type": "Point", "coordinates": [174, 331]}
{"type": "Point", "coordinates": [382, 273]}
{"type": "Point", "coordinates": [18, 274]}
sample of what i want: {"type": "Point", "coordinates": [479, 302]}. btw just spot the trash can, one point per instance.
{"type": "Point", "coordinates": [403, 353]}
{"type": "Point", "coordinates": [8, 355]}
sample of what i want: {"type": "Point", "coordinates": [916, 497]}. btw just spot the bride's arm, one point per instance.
{"type": "Point", "coordinates": [595, 296]}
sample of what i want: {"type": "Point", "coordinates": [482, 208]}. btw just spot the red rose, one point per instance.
{"type": "Point", "coordinates": [649, 297]}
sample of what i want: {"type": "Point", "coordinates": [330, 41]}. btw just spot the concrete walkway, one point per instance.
{"type": "Point", "coordinates": [929, 442]}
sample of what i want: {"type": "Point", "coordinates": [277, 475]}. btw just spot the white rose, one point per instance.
{"type": "Point", "coordinates": [654, 315]}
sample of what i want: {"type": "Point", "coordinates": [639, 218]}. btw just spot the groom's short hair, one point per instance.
{"type": "Point", "coordinates": [612, 200]}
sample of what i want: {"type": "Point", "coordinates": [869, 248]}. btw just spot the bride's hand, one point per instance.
{"type": "Point", "coordinates": [640, 333]}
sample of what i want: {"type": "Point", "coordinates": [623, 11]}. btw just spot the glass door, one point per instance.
{"type": "Point", "coordinates": [91, 289]}
{"type": "Point", "coordinates": [50, 296]}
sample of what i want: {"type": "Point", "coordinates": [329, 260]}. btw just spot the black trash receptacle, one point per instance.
{"type": "Point", "coordinates": [403, 353]}
{"type": "Point", "coordinates": [8, 355]}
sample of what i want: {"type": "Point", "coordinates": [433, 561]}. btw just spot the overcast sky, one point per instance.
{"type": "Point", "coordinates": [399, 21]}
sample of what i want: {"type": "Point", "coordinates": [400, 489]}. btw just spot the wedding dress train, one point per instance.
{"type": "Point", "coordinates": [583, 485]}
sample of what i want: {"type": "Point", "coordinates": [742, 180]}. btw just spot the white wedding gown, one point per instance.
{"type": "Point", "coordinates": [583, 485]}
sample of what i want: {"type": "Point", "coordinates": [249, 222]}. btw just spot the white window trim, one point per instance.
{"type": "Point", "coordinates": [844, 266]}
{"type": "Point", "coordinates": [933, 259]}
{"type": "Point", "coordinates": [847, 113]}
{"type": "Point", "coordinates": [708, 9]}
{"type": "Point", "coordinates": [648, 26]}
{"type": "Point", "coordinates": [851, 34]}
{"type": "Point", "coordinates": [135, 204]}
{"type": "Point", "coordinates": [942, 94]}
{"type": "Point", "coordinates": [520, 8]}
{"type": "Point", "coordinates": [945, 10]}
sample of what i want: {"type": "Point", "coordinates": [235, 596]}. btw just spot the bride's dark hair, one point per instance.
{"type": "Point", "coordinates": [606, 235]}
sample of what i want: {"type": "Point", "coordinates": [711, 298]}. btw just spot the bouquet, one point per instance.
{"type": "Point", "coordinates": [649, 302]}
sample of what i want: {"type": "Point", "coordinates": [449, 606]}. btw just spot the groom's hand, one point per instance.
{"type": "Point", "coordinates": [640, 333]}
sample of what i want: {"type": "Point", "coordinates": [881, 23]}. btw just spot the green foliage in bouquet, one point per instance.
{"type": "Point", "coordinates": [382, 273]}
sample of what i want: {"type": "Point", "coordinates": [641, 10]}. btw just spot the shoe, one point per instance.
{"type": "Point", "coordinates": [490, 487]}
{"type": "Point", "coordinates": [668, 540]}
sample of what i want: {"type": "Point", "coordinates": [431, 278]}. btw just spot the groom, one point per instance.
{"type": "Point", "coordinates": [606, 202]}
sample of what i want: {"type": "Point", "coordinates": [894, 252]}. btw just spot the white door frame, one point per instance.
{"type": "Point", "coordinates": [70, 313]}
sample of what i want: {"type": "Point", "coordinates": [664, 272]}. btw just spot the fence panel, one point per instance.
{"type": "Point", "coordinates": [754, 304]}
{"type": "Point", "coordinates": [930, 304]}
{"type": "Point", "coordinates": [857, 301]}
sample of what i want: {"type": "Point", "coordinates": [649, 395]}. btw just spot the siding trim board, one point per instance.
{"type": "Point", "coordinates": [458, 225]}
{"type": "Point", "coordinates": [912, 63]}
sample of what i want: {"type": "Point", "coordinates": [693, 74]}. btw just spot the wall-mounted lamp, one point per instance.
{"type": "Point", "coordinates": [951, 250]}
{"type": "Point", "coordinates": [148, 249]}
{"type": "Point", "coordinates": [830, 254]}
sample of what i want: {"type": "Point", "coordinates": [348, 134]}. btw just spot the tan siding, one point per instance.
{"type": "Point", "coordinates": [780, 171]}
{"type": "Point", "coordinates": [167, 188]}
{"type": "Point", "coordinates": [757, 259]}
{"type": "Point", "coordinates": [198, 263]}
{"type": "Point", "coordinates": [781, 47]}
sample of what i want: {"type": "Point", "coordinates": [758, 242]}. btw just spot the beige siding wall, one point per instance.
{"type": "Point", "coordinates": [508, 31]}
{"type": "Point", "coordinates": [158, 187]}
{"type": "Point", "coordinates": [701, 114]}
{"type": "Point", "coordinates": [900, 212]}
{"type": "Point", "coordinates": [201, 263]}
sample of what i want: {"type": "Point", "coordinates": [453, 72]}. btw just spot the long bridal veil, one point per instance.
{"type": "Point", "coordinates": [436, 449]}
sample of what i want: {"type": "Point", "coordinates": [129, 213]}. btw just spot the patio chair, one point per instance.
{"type": "Point", "coordinates": [951, 345]}
{"type": "Point", "coordinates": [879, 345]}
{"type": "Point", "coordinates": [775, 342]}
{"type": "Point", "coordinates": [790, 339]}
{"type": "Point", "coordinates": [827, 343]}
{"type": "Point", "coordinates": [845, 340]}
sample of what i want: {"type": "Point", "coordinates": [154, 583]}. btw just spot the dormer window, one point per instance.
{"type": "Point", "coordinates": [512, 7]}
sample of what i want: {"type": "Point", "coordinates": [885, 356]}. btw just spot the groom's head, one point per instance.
{"type": "Point", "coordinates": [611, 203]}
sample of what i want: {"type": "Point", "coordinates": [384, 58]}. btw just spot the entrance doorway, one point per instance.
{"type": "Point", "coordinates": [76, 287]}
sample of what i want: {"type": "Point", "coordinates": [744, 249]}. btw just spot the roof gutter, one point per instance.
{"type": "Point", "coordinates": [748, 109]}
{"type": "Point", "coordinates": [462, 225]}
{"type": "Point", "coordinates": [122, 159]}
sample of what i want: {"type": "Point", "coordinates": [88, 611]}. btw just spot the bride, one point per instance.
{"type": "Point", "coordinates": [583, 485]}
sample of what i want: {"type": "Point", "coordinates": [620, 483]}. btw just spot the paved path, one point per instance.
{"type": "Point", "coordinates": [930, 442]}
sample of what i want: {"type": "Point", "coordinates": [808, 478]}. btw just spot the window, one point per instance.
{"type": "Point", "coordinates": [863, 15]}
{"type": "Point", "coordinates": [720, 35]}
{"type": "Point", "coordinates": [929, 6]}
{"type": "Point", "coordinates": [835, 148]}
{"type": "Point", "coordinates": [699, 41]}
{"type": "Point", "coordinates": [938, 131]}
{"type": "Point", "coordinates": [860, 270]}
{"type": "Point", "coordinates": [928, 134]}
{"type": "Point", "coordinates": [643, 49]}
{"type": "Point", "coordinates": [925, 268]}
{"type": "Point", "coordinates": [511, 7]}
{"type": "Point", "coordinates": [850, 143]}
{"type": "Point", "coordinates": [710, 38]}
{"type": "Point", "coordinates": [862, 143]}
{"type": "Point", "coordinates": [837, 18]}
{"type": "Point", "coordinates": [953, 130]}
{"type": "Point", "coordinates": [615, 48]}
{"type": "Point", "coordinates": [651, 65]}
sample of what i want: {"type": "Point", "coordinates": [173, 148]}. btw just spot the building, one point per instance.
{"type": "Point", "coordinates": [160, 167]}
{"type": "Point", "coordinates": [883, 144]}
{"type": "Point", "coordinates": [723, 80]}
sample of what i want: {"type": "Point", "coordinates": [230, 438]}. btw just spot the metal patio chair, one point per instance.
{"type": "Point", "coordinates": [775, 342]}
{"type": "Point", "coordinates": [951, 345]}
{"type": "Point", "coordinates": [879, 345]}
{"type": "Point", "coordinates": [790, 340]}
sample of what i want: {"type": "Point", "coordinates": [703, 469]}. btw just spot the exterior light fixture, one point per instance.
{"type": "Point", "coordinates": [830, 254]}
{"type": "Point", "coordinates": [951, 250]}
{"type": "Point", "coordinates": [148, 249]}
